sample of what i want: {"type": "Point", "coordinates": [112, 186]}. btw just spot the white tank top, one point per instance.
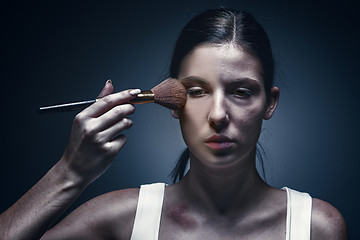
{"type": "Point", "coordinates": [148, 213]}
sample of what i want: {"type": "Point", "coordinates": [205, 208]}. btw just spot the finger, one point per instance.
{"type": "Point", "coordinates": [114, 115]}
{"type": "Point", "coordinates": [106, 103]}
{"type": "Point", "coordinates": [107, 89]}
{"type": "Point", "coordinates": [116, 144]}
{"type": "Point", "coordinates": [115, 130]}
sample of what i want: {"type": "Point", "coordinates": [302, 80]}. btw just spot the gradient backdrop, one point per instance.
{"type": "Point", "coordinates": [61, 51]}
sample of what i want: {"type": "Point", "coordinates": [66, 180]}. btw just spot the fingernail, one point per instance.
{"type": "Point", "coordinates": [135, 92]}
{"type": "Point", "coordinates": [108, 81]}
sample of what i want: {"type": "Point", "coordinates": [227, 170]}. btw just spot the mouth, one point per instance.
{"type": "Point", "coordinates": [219, 142]}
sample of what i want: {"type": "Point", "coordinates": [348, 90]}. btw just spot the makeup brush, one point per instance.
{"type": "Point", "coordinates": [170, 93]}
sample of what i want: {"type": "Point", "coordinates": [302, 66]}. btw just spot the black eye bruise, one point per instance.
{"type": "Point", "coordinates": [243, 92]}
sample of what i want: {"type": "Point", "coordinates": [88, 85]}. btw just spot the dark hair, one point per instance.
{"type": "Point", "coordinates": [222, 26]}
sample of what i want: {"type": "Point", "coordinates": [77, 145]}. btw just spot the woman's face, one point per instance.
{"type": "Point", "coordinates": [226, 103]}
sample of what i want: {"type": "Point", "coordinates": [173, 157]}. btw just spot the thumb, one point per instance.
{"type": "Point", "coordinates": [107, 89]}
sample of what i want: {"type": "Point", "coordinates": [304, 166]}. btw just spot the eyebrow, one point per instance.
{"type": "Point", "coordinates": [245, 80]}
{"type": "Point", "coordinates": [194, 79]}
{"type": "Point", "coordinates": [188, 81]}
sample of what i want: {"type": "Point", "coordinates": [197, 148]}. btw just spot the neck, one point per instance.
{"type": "Point", "coordinates": [224, 188]}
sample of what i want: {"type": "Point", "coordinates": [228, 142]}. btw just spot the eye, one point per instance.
{"type": "Point", "coordinates": [196, 91]}
{"type": "Point", "coordinates": [243, 93]}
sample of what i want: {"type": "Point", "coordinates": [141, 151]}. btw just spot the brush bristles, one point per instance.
{"type": "Point", "coordinates": [170, 93]}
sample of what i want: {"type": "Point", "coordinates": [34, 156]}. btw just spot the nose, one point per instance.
{"type": "Point", "coordinates": [218, 117]}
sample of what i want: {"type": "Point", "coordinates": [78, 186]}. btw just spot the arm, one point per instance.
{"type": "Point", "coordinates": [327, 222]}
{"type": "Point", "coordinates": [109, 216]}
{"type": "Point", "coordinates": [94, 141]}
{"type": "Point", "coordinates": [34, 212]}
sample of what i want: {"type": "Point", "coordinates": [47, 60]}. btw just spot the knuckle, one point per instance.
{"type": "Point", "coordinates": [123, 94]}
{"type": "Point", "coordinates": [118, 111]}
{"type": "Point", "coordinates": [98, 140]}
{"type": "Point", "coordinates": [105, 149]}
{"type": "Point", "coordinates": [127, 122]}
{"type": "Point", "coordinates": [79, 118]}
{"type": "Point", "coordinates": [124, 109]}
{"type": "Point", "coordinates": [107, 99]}
{"type": "Point", "coordinates": [88, 130]}
{"type": "Point", "coordinates": [121, 142]}
{"type": "Point", "coordinates": [130, 108]}
{"type": "Point", "coordinates": [110, 150]}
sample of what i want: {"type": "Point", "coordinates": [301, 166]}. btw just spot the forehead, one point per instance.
{"type": "Point", "coordinates": [225, 61]}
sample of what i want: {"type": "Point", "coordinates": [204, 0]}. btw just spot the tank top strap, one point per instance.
{"type": "Point", "coordinates": [298, 217]}
{"type": "Point", "coordinates": [148, 212]}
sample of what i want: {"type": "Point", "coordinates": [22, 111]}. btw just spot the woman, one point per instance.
{"type": "Point", "coordinates": [223, 58]}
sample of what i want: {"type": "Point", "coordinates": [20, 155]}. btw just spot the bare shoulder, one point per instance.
{"type": "Point", "coordinates": [108, 215]}
{"type": "Point", "coordinates": [327, 222]}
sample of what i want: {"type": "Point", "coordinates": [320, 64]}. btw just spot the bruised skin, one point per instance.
{"type": "Point", "coordinates": [181, 216]}
{"type": "Point", "coordinates": [222, 196]}
{"type": "Point", "coordinates": [220, 122]}
{"type": "Point", "coordinates": [219, 71]}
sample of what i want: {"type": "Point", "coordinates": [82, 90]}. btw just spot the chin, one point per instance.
{"type": "Point", "coordinates": [222, 158]}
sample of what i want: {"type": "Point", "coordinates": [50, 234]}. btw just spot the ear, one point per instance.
{"type": "Point", "coordinates": [273, 102]}
{"type": "Point", "coordinates": [175, 114]}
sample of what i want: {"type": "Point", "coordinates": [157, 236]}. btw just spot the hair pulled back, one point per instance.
{"type": "Point", "coordinates": [222, 26]}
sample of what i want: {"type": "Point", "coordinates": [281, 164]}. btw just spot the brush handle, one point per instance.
{"type": "Point", "coordinates": [142, 97]}
{"type": "Point", "coordinates": [66, 107]}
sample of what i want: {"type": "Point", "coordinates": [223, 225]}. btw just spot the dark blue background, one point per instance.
{"type": "Point", "coordinates": [61, 51]}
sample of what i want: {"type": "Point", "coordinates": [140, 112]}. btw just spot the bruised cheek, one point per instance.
{"type": "Point", "coordinates": [252, 114]}
{"type": "Point", "coordinates": [249, 118]}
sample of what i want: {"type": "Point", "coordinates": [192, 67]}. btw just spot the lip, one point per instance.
{"type": "Point", "coordinates": [219, 142]}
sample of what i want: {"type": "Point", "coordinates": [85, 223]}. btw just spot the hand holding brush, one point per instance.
{"type": "Point", "coordinates": [170, 93]}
